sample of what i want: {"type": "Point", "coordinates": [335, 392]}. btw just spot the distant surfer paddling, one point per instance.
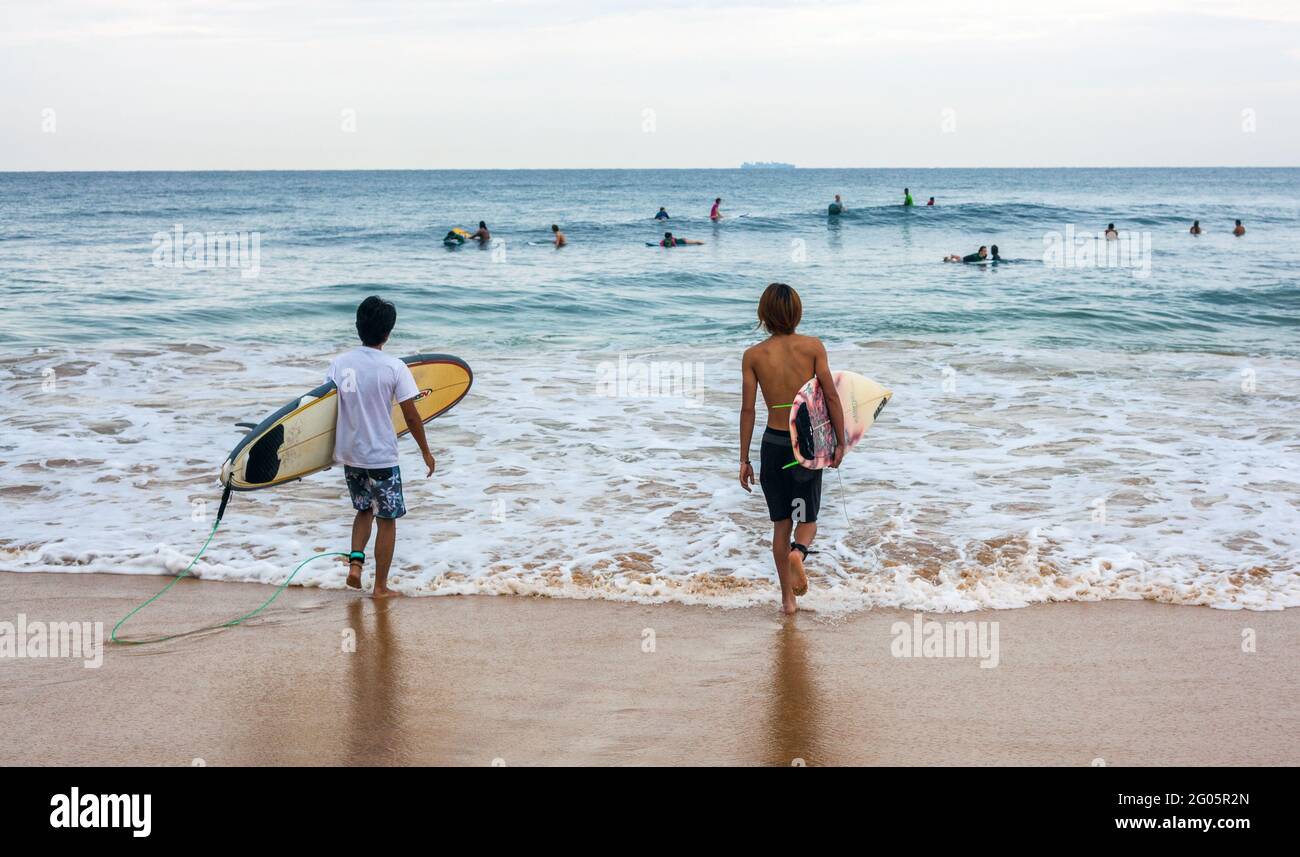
{"type": "Point", "coordinates": [670, 241]}
{"type": "Point", "coordinates": [779, 366]}
{"type": "Point", "coordinates": [978, 256]}
{"type": "Point", "coordinates": [369, 381]}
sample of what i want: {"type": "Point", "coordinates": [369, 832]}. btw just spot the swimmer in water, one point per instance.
{"type": "Point", "coordinates": [1111, 232]}
{"type": "Point", "coordinates": [978, 256]}
{"type": "Point", "coordinates": [560, 240]}
{"type": "Point", "coordinates": [1196, 227]}
{"type": "Point", "coordinates": [714, 213]}
{"type": "Point", "coordinates": [482, 235]}
{"type": "Point", "coordinates": [1239, 230]}
{"type": "Point", "coordinates": [907, 197]}
{"type": "Point", "coordinates": [670, 241]}
{"type": "Point", "coordinates": [994, 251]}
{"type": "Point", "coordinates": [661, 214]}
{"type": "Point", "coordinates": [931, 202]}
{"type": "Point", "coordinates": [836, 207]}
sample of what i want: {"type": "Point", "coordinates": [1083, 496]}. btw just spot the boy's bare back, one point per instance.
{"type": "Point", "coordinates": [783, 364]}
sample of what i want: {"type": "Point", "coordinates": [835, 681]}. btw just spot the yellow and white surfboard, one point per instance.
{"type": "Point", "coordinates": [298, 439]}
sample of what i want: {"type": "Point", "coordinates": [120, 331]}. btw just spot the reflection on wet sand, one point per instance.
{"type": "Point", "coordinates": [465, 681]}
{"type": "Point", "coordinates": [794, 720]}
{"type": "Point", "coordinates": [376, 732]}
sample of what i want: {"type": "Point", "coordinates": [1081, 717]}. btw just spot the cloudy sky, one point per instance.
{"type": "Point", "coordinates": [261, 84]}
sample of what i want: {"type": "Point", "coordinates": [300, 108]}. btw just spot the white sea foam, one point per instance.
{"type": "Point", "coordinates": [995, 479]}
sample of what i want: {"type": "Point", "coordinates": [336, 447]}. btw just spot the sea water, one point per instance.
{"type": "Point", "coordinates": [1091, 420]}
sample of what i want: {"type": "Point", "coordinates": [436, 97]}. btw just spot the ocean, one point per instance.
{"type": "Point", "coordinates": [1089, 420]}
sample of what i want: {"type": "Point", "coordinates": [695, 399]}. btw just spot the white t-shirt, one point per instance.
{"type": "Point", "coordinates": [369, 381]}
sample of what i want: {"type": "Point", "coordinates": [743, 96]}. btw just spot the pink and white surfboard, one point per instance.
{"type": "Point", "coordinates": [811, 433]}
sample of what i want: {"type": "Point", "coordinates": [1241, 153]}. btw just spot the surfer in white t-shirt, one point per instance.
{"type": "Point", "coordinates": [779, 366]}
{"type": "Point", "coordinates": [369, 382]}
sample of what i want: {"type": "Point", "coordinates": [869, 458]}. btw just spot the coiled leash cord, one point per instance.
{"type": "Point", "coordinates": [186, 573]}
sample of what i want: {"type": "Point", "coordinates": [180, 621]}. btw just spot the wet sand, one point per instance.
{"type": "Point", "coordinates": [525, 681]}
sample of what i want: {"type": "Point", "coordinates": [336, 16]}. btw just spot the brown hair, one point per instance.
{"type": "Point", "coordinates": [779, 309]}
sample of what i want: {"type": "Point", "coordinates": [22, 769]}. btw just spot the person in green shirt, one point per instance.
{"type": "Point", "coordinates": [907, 197]}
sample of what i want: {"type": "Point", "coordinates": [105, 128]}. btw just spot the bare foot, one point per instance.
{"type": "Point", "coordinates": [800, 582]}
{"type": "Point", "coordinates": [354, 573]}
{"type": "Point", "coordinates": [789, 606]}
{"type": "Point", "coordinates": [384, 593]}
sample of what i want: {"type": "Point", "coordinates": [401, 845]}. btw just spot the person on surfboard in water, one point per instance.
{"type": "Point", "coordinates": [369, 381]}
{"type": "Point", "coordinates": [978, 256]}
{"type": "Point", "coordinates": [779, 366]}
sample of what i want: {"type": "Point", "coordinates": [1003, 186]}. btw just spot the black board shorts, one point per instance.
{"type": "Point", "coordinates": [791, 492]}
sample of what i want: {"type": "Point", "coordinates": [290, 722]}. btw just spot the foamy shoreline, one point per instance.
{"type": "Point", "coordinates": [997, 478]}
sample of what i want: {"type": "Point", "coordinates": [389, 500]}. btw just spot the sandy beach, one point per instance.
{"type": "Point", "coordinates": [528, 681]}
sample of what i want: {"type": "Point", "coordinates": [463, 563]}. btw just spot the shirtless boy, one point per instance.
{"type": "Point", "coordinates": [779, 366]}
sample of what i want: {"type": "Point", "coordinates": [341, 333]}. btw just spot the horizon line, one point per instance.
{"type": "Point", "coordinates": [624, 169]}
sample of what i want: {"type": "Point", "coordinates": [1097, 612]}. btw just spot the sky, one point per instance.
{"type": "Point", "coordinates": [264, 84]}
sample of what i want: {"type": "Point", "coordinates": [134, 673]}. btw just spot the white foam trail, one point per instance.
{"type": "Point", "coordinates": [978, 488]}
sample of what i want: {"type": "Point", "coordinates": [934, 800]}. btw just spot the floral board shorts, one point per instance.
{"type": "Point", "coordinates": [379, 489]}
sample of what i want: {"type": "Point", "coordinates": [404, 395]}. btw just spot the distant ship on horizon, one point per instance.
{"type": "Point", "coordinates": [766, 165]}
